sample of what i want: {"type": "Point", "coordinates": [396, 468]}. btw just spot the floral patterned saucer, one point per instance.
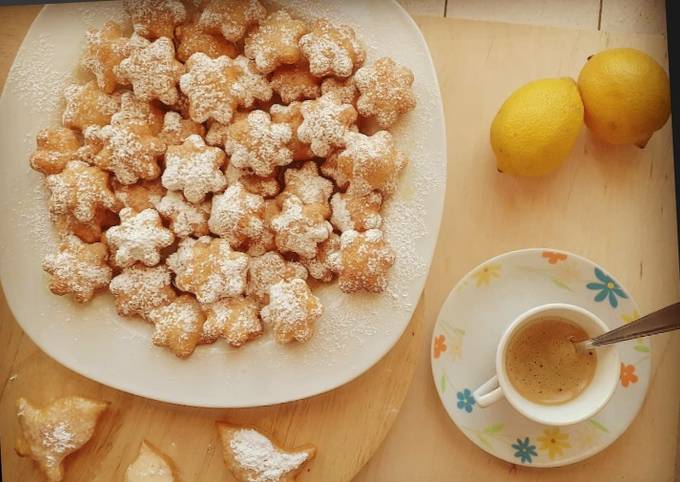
{"type": "Point", "coordinates": [470, 324]}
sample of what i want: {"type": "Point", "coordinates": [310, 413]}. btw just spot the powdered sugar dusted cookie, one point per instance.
{"type": "Point", "coordinates": [185, 218]}
{"type": "Point", "coordinates": [275, 41]}
{"type": "Point", "coordinates": [300, 228]}
{"type": "Point", "coordinates": [191, 39]}
{"type": "Point", "coordinates": [359, 213]}
{"type": "Point", "coordinates": [130, 151]}
{"type": "Point", "coordinates": [292, 116]}
{"type": "Point", "coordinates": [331, 49]}
{"type": "Point", "coordinates": [250, 84]}
{"type": "Point", "coordinates": [151, 465]}
{"type": "Point", "coordinates": [56, 146]}
{"type": "Point", "coordinates": [194, 169]}
{"type": "Point", "coordinates": [152, 71]}
{"type": "Point", "coordinates": [371, 163]}
{"type": "Point", "coordinates": [322, 266]}
{"type": "Point", "coordinates": [104, 50]}
{"type": "Point", "coordinates": [176, 129]}
{"type": "Point", "coordinates": [135, 111]}
{"type": "Point", "coordinates": [89, 231]}
{"type": "Point", "coordinates": [295, 82]}
{"type": "Point", "coordinates": [155, 18]}
{"type": "Point", "coordinates": [234, 319]}
{"type": "Point", "coordinates": [386, 92]}
{"type": "Point", "coordinates": [179, 325]}
{"type": "Point", "coordinates": [292, 311]}
{"type": "Point", "coordinates": [344, 89]}
{"type": "Point", "coordinates": [208, 85]}
{"type": "Point", "coordinates": [326, 121]}
{"type": "Point", "coordinates": [78, 268]}
{"type": "Point", "coordinates": [231, 18]}
{"type": "Point", "coordinates": [252, 457]}
{"type": "Point", "coordinates": [237, 215]}
{"type": "Point", "coordinates": [80, 190]}
{"type": "Point", "coordinates": [139, 237]}
{"type": "Point", "coordinates": [87, 105]}
{"type": "Point", "coordinates": [258, 144]}
{"type": "Point", "coordinates": [305, 183]}
{"type": "Point", "coordinates": [140, 196]}
{"type": "Point", "coordinates": [267, 270]}
{"type": "Point", "coordinates": [266, 187]}
{"type": "Point", "coordinates": [139, 289]}
{"type": "Point", "coordinates": [208, 268]}
{"type": "Point", "coordinates": [50, 434]}
{"type": "Point", "coordinates": [363, 261]}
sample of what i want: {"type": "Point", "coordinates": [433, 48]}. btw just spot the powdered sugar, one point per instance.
{"type": "Point", "coordinates": [236, 215]}
{"type": "Point", "coordinates": [185, 218]}
{"type": "Point", "coordinates": [326, 121]}
{"type": "Point", "coordinates": [292, 311]}
{"type": "Point", "coordinates": [255, 453]}
{"type": "Point", "coordinates": [139, 237]}
{"type": "Point", "coordinates": [331, 49]}
{"type": "Point", "coordinates": [250, 85]}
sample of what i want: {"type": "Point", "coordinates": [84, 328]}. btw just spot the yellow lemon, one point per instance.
{"type": "Point", "coordinates": [537, 126]}
{"type": "Point", "coordinates": [626, 94]}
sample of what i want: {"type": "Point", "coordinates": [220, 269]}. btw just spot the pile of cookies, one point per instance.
{"type": "Point", "coordinates": [223, 160]}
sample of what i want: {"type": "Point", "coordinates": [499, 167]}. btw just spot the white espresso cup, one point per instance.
{"type": "Point", "coordinates": [590, 401]}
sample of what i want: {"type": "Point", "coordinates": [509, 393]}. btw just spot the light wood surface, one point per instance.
{"type": "Point", "coordinates": [613, 205]}
{"type": "Point", "coordinates": [347, 425]}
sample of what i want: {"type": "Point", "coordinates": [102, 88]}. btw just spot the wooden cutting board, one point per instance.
{"type": "Point", "coordinates": [347, 424]}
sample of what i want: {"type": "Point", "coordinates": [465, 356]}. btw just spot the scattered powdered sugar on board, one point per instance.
{"type": "Point", "coordinates": [34, 80]}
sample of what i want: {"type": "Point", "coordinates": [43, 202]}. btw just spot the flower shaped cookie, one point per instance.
{"type": "Point", "coordinates": [178, 325]}
{"type": "Point", "coordinates": [130, 151]}
{"type": "Point", "coordinates": [358, 213]}
{"type": "Point", "coordinates": [152, 71]}
{"type": "Point", "coordinates": [305, 183]}
{"type": "Point", "coordinates": [86, 106]}
{"type": "Point", "coordinates": [142, 113]}
{"type": "Point", "coordinates": [344, 89]}
{"type": "Point", "coordinates": [292, 311]}
{"type": "Point", "coordinates": [266, 187]}
{"type": "Point", "coordinates": [295, 82]}
{"type": "Point", "coordinates": [185, 218]}
{"type": "Point", "coordinates": [194, 168]}
{"type": "Point", "coordinates": [56, 147]}
{"type": "Point", "coordinates": [139, 196]}
{"type": "Point", "coordinates": [48, 435]}
{"type": "Point", "coordinates": [371, 163]}
{"type": "Point", "coordinates": [138, 289]}
{"type": "Point", "coordinates": [80, 190]}
{"type": "Point", "coordinates": [322, 267]}
{"type": "Point", "coordinates": [237, 215]}
{"type": "Point", "coordinates": [363, 261]}
{"type": "Point", "coordinates": [208, 268]}
{"type": "Point", "coordinates": [267, 270]}
{"type": "Point", "coordinates": [326, 121]}
{"type": "Point", "coordinates": [385, 91]}
{"type": "Point", "coordinates": [155, 18]}
{"type": "Point", "coordinates": [231, 18]}
{"type": "Point", "coordinates": [176, 129]}
{"type": "Point", "coordinates": [275, 41]}
{"type": "Point", "coordinates": [300, 228]}
{"type": "Point", "coordinates": [234, 319]}
{"type": "Point", "coordinates": [331, 49]}
{"type": "Point", "coordinates": [78, 268]}
{"type": "Point", "coordinates": [139, 237]}
{"type": "Point", "coordinates": [259, 144]}
{"type": "Point", "coordinates": [191, 39]}
{"type": "Point", "coordinates": [104, 50]}
{"type": "Point", "coordinates": [292, 115]}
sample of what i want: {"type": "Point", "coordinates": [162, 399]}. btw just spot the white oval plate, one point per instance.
{"type": "Point", "coordinates": [355, 331]}
{"type": "Point", "coordinates": [476, 313]}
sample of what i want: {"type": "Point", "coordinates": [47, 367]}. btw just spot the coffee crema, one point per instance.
{"type": "Point", "coordinates": [543, 364]}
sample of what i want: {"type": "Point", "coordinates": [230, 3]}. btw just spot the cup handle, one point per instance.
{"type": "Point", "coordinates": [490, 392]}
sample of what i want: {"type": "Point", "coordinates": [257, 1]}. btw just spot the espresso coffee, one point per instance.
{"type": "Point", "coordinates": [543, 364]}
